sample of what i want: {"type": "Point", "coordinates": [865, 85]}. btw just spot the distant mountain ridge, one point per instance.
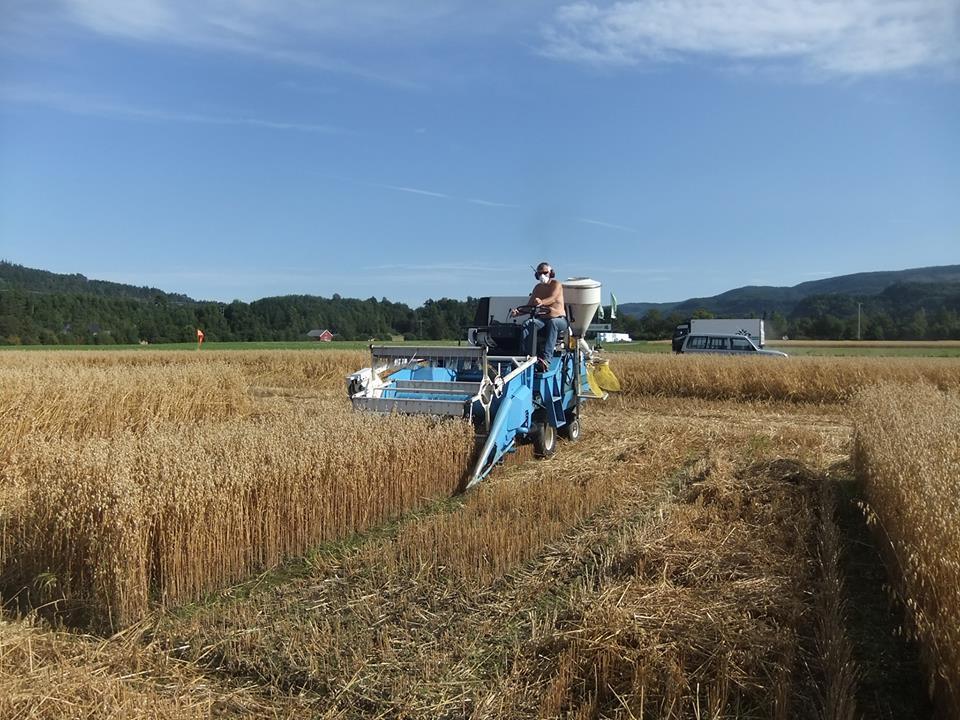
{"type": "Point", "coordinates": [758, 300]}
{"type": "Point", "coordinates": [18, 277]}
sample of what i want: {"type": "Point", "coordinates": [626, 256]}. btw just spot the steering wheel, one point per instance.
{"type": "Point", "coordinates": [533, 311]}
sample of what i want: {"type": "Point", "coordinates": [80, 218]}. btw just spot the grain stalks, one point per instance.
{"type": "Point", "coordinates": [106, 525]}
{"type": "Point", "coordinates": [908, 457]}
{"type": "Point", "coordinates": [810, 380]}
{"type": "Point", "coordinates": [72, 401]}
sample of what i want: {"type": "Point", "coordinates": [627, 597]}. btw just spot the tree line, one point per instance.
{"type": "Point", "coordinates": [29, 318]}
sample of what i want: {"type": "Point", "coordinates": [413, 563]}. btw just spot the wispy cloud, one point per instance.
{"type": "Point", "coordinates": [415, 191]}
{"type": "Point", "coordinates": [82, 105]}
{"type": "Point", "coordinates": [490, 203]}
{"type": "Point", "coordinates": [445, 196]}
{"type": "Point", "coordinates": [318, 35]}
{"type": "Point", "coordinates": [482, 202]}
{"type": "Point", "coordinates": [612, 226]}
{"type": "Point", "coordinates": [828, 37]}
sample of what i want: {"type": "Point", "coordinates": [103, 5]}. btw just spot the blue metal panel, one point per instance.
{"type": "Point", "coordinates": [433, 373]}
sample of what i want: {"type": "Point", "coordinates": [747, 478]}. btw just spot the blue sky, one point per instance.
{"type": "Point", "coordinates": [423, 149]}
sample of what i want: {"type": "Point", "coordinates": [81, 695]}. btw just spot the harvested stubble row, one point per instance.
{"type": "Point", "coordinates": [174, 513]}
{"type": "Point", "coordinates": [504, 524]}
{"type": "Point", "coordinates": [907, 452]}
{"type": "Point", "coordinates": [46, 675]}
{"type": "Point", "coordinates": [815, 380]}
{"type": "Point", "coordinates": [698, 614]}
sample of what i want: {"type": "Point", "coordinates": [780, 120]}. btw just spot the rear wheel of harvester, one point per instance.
{"type": "Point", "coordinates": [571, 431]}
{"type": "Point", "coordinates": [545, 440]}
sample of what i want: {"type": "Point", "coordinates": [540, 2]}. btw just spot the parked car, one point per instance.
{"type": "Point", "coordinates": [752, 327]}
{"type": "Point", "coordinates": [723, 345]}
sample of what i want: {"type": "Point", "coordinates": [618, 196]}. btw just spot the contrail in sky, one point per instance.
{"type": "Point", "coordinates": [588, 221]}
{"type": "Point", "coordinates": [486, 203]}
{"type": "Point", "coordinates": [415, 191]}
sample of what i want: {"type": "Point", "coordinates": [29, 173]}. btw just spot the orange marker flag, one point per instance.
{"type": "Point", "coordinates": [199, 338]}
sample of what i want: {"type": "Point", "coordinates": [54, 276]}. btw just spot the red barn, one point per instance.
{"type": "Point", "coordinates": [320, 335]}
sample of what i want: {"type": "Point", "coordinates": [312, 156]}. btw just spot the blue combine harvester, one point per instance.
{"type": "Point", "coordinates": [492, 381]}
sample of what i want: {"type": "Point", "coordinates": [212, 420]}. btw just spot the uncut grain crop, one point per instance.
{"type": "Point", "coordinates": [133, 506]}
{"type": "Point", "coordinates": [811, 380]}
{"type": "Point", "coordinates": [908, 457]}
{"type": "Point", "coordinates": [313, 370]}
{"type": "Point", "coordinates": [72, 400]}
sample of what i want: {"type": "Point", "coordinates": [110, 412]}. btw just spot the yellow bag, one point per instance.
{"type": "Point", "coordinates": [603, 376]}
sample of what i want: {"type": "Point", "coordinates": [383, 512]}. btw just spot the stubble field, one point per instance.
{"type": "Point", "coordinates": [218, 534]}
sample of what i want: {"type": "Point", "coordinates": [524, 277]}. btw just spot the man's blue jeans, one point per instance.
{"type": "Point", "coordinates": [554, 327]}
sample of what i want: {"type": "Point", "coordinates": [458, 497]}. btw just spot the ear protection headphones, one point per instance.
{"type": "Point", "coordinates": [537, 273]}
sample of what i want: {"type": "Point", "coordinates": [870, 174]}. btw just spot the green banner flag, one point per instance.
{"type": "Point", "coordinates": [613, 306]}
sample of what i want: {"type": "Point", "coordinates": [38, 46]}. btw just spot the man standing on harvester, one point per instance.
{"type": "Point", "coordinates": [547, 296]}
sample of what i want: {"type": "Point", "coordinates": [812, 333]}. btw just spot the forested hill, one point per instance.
{"type": "Point", "coordinates": [42, 281]}
{"type": "Point", "coordinates": [758, 300]}
{"type": "Point", "coordinates": [47, 308]}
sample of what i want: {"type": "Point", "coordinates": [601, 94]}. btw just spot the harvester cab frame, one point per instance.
{"type": "Point", "coordinates": [492, 381]}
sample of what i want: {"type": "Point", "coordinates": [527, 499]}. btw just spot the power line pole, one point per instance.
{"type": "Point", "coordinates": [858, 320]}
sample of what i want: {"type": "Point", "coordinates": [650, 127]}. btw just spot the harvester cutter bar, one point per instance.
{"type": "Point", "coordinates": [462, 388]}
{"type": "Point", "coordinates": [454, 408]}
{"type": "Point", "coordinates": [405, 353]}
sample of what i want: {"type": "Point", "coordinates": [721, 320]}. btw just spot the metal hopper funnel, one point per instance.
{"type": "Point", "coordinates": [582, 298]}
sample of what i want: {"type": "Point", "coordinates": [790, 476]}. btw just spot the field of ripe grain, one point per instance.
{"type": "Point", "coordinates": [127, 486]}
{"type": "Point", "coordinates": [699, 553]}
{"type": "Point", "coordinates": [908, 456]}
{"type": "Point", "coordinates": [805, 380]}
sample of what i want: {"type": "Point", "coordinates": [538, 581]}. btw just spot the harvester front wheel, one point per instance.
{"type": "Point", "coordinates": [545, 440]}
{"type": "Point", "coordinates": [571, 431]}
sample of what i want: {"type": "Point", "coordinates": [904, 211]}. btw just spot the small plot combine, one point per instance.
{"type": "Point", "coordinates": [495, 381]}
